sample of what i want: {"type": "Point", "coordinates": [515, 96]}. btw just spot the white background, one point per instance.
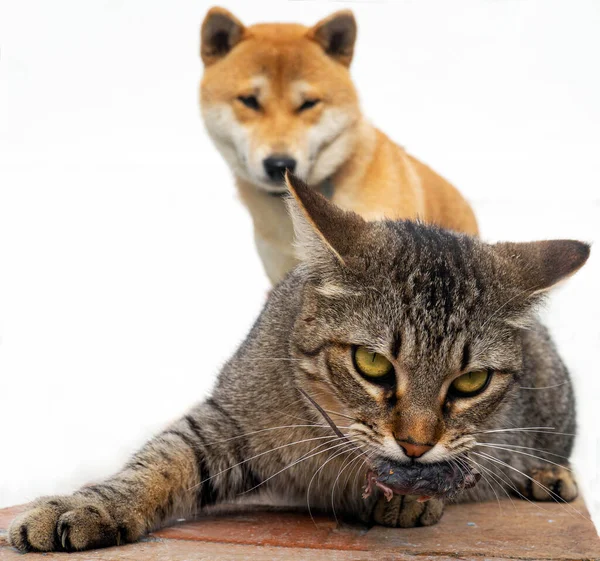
{"type": "Point", "coordinates": [127, 268]}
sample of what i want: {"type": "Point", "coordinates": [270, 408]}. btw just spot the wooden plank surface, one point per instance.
{"type": "Point", "coordinates": [489, 531]}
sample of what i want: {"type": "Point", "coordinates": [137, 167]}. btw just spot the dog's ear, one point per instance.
{"type": "Point", "coordinates": [323, 231]}
{"type": "Point", "coordinates": [220, 32]}
{"type": "Point", "coordinates": [337, 35]}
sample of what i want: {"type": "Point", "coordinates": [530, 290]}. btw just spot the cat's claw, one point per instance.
{"type": "Point", "coordinates": [70, 523]}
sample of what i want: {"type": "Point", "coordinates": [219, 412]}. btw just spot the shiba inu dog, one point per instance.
{"type": "Point", "coordinates": [279, 96]}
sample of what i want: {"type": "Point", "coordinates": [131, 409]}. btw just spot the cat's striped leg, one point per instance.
{"type": "Point", "coordinates": [171, 476]}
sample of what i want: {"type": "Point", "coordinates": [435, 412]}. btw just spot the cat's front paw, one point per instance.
{"type": "Point", "coordinates": [404, 511]}
{"type": "Point", "coordinates": [551, 483]}
{"type": "Point", "coordinates": [64, 524]}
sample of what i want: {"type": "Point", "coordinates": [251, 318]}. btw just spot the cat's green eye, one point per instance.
{"type": "Point", "coordinates": [370, 364]}
{"type": "Point", "coordinates": [471, 383]}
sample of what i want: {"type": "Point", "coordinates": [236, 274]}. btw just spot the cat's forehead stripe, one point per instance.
{"type": "Point", "coordinates": [396, 342]}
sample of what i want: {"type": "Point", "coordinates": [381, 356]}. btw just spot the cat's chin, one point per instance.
{"type": "Point", "coordinates": [441, 479]}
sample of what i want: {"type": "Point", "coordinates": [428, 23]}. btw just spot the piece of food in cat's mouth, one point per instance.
{"type": "Point", "coordinates": [442, 479]}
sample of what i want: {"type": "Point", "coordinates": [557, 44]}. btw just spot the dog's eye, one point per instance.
{"type": "Point", "coordinates": [370, 364]}
{"type": "Point", "coordinates": [471, 384]}
{"type": "Point", "coordinates": [308, 104]}
{"type": "Point", "coordinates": [250, 101]}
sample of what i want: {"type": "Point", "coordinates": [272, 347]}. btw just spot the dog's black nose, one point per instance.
{"type": "Point", "coordinates": [275, 166]}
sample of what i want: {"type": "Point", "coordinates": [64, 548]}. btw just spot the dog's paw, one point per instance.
{"type": "Point", "coordinates": [63, 524]}
{"type": "Point", "coordinates": [404, 511]}
{"type": "Point", "coordinates": [551, 483]}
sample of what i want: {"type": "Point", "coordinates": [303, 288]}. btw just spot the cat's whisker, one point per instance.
{"type": "Point", "coordinates": [368, 457]}
{"type": "Point", "coordinates": [483, 475]}
{"type": "Point", "coordinates": [325, 416]}
{"type": "Point", "coordinates": [357, 446]}
{"type": "Point", "coordinates": [503, 477]}
{"type": "Point", "coordinates": [544, 387]}
{"type": "Point", "coordinates": [506, 479]}
{"type": "Point", "coordinates": [267, 430]}
{"type": "Point", "coordinates": [319, 392]}
{"type": "Point", "coordinates": [557, 497]}
{"type": "Point", "coordinates": [515, 429]}
{"type": "Point", "coordinates": [347, 462]}
{"type": "Point", "coordinates": [459, 465]}
{"type": "Point", "coordinates": [302, 398]}
{"type": "Point", "coordinates": [339, 414]}
{"type": "Point", "coordinates": [374, 438]}
{"type": "Point", "coordinates": [533, 430]}
{"type": "Point", "coordinates": [296, 462]}
{"type": "Point", "coordinates": [462, 441]}
{"type": "Point", "coordinates": [499, 444]}
{"type": "Point", "coordinates": [462, 466]}
{"type": "Point", "coordinates": [317, 447]}
{"type": "Point", "coordinates": [193, 487]}
{"type": "Point", "coordinates": [293, 416]}
{"type": "Point", "coordinates": [355, 470]}
{"type": "Point", "coordinates": [487, 471]}
{"type": "Point", "coordinates": [344, 451]}
{"type": "Point", "coordinates": [525, 454]}
{"type": "Point", "coordinates": [344, 467]}
{"type": "Point", "coordinates": [298, 400]}
{"type": "Point", "coordinates": [330, 411]}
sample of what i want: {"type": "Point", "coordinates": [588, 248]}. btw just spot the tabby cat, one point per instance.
{"type": "Point", "coordinates": [420, 344]}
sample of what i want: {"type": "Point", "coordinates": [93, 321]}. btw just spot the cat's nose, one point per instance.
{"type": "Point", "coordinates": [276, 165]}
{"type": "Point", "coordinates": [414, 450]}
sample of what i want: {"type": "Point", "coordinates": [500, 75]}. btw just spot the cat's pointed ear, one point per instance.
{"type": "Point", "coordinates": [220, 32]}
{"type": "Point", "coordinates": [321, 228]}
{"type": "Point", "coordinates": [336, 34]}
{"type": "Point", "coordinates": [541, 265]}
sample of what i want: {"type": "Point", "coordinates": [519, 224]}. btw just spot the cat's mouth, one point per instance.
{"type": "Point", "coordinates": [442, 479]}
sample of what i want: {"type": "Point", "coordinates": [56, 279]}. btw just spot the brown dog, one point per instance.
{"type": "Point", "coordinates": [280, 96]}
